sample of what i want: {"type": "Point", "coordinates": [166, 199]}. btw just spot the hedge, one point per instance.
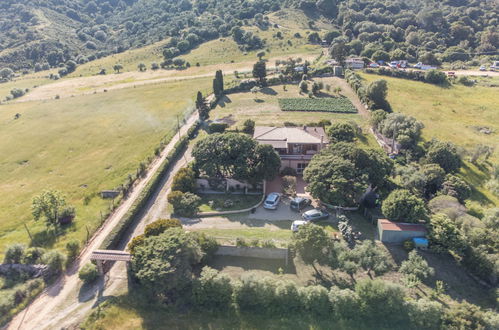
{"type": "Point", "coordinates": [404, 74]}
{"type": "Point", "coordinates": [116, 235]}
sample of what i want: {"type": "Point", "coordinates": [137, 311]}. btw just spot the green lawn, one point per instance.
{"type": "Point", "coordinates": [80, 146]}
{"type": "Point", "coordinates": [282, 234]}
{"type": "Point", "coordinates": [227, 202]}
{"type": "Point", "coordinates": [452, 114]}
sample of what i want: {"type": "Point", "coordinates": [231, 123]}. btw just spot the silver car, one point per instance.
{"type": "Point", "coordinates": [272, 201]}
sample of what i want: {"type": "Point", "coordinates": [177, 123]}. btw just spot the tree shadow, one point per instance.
{"type": "Point", "coordinates": [248, 264]}
{"type": "Point", "coordinates": [223, 101]}
{"type": "Point", "coordinates": [259, 101]}
{"type": "Point", "coordinates": [44, 239]}
{"type": "Point", "coordinates": [268, 91]}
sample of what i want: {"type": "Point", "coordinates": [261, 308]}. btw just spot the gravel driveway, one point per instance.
{"type": "Point", "coordinates": [283, 212]}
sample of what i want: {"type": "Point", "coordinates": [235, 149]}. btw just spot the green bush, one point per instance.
{"type": "Point", "coordinates": [88, 273]}
{"type": "Point", "coordinates": [14, 254]}
{"type": "Point", "coordinates": [33, 255]}
{"type": "Point", "coordinates": [55, 261]}
{"type": "Point", "coordinates": [212, 290]}
{"type": "Point", "coordinates": [184, 204]}
{"type": "Point", "coordinates": [217, 127]}
{"type": "Point", "coordinates": [159, 226]}
{"type": "Point", "coordinates": [184, 180]}
{"type": "Point", "coordinates": [72, 248]}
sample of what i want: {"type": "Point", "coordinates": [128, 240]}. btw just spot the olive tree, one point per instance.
{"type": "Point", "coordinates": [402, 205]}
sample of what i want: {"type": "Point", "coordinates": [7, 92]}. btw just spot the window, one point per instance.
{"type": "Point", "coordinates": [300, 167]}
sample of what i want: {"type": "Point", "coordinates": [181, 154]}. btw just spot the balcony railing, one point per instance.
{"type": "Point", "coordinates": [296, 157]}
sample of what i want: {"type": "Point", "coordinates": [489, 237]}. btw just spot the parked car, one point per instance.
{"type": "Point", "coordinates": [297, 224]}
{"type": "Point", "coordinates": [373, 65]}
{"type": "Point", "coordinates": [299, 203]}
{"type": "Point", "coordinates": [483, 68]}
{"type": "Point", "coordinates": [315, 215]}
{"type": "Point", "coordinates": [272, 201]}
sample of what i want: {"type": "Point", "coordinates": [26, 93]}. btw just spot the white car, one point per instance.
{"type": "Point", "coordinates": [297, 224]}
{"type": "Point", "coordinates": [272, 201]}
{"type": "Point", "coordinates": [483, 68]}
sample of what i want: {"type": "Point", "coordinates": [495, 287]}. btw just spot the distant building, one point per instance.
{"type": "Point", "coordinates": [295, 145]}
{"type": "Point", "coordinates": [398, 232]}
{"type": "Point", "coordinates": [354, 63]}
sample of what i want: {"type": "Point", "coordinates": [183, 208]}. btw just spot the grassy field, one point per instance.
{"type": "Point", "coordinates": [453, 114]}
{"type": "Point", "coordinates": [25, 82]}
{"type": "Point", "coordinates": [80, 146]}
{"type": "Point", "coordinates": [239, 202]}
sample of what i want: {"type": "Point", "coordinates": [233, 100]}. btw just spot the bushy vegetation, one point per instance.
{"type": "Point", "coordinates": [88, 273]}
{"type": "Point", "coordinates": [335, 104]}
{"type": "Point", "coordinates": [94, 29]}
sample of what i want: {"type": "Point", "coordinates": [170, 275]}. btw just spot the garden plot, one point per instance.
{"type": "Point", "coordinates": [333, 104]}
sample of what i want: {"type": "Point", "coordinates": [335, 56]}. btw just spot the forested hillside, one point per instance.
{"type": "Point", "coordinates": [46, 33]}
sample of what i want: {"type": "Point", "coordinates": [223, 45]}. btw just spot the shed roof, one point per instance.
{"type": "Point", "coordinates": [401, 226]}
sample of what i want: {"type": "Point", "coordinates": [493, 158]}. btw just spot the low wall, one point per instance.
{"type": "Point", "coordinates": [253, 252]}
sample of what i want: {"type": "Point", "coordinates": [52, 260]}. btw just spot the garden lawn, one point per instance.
{"type": "Point", "coordinates": [452, 114]}
{"type": "Point", "coordinates": [80, 146]}
{"type": "Point", "coordinates": [215, 202]}
{"type": "Point", "coordinates": [230, 235]}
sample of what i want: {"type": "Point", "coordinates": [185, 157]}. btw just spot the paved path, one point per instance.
{"type": "Point", "coordinates": [64, 303]}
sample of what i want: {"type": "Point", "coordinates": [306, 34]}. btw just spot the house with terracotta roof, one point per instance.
{"type": "Point", "coordinates": [295, 145]}
{"type": "Point", "coordinates": [398, 232]}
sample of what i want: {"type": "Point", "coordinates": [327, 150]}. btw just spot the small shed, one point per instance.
{"type": "Point", "coordinates": [398, 232]}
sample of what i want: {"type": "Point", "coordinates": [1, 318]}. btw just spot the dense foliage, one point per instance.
{"type": "Point", "coordinates": [44, 33]}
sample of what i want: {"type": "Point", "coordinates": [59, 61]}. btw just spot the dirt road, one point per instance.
{"type": "Point", "coordinates": [69, 87]}
{"type": "Point", "coordinates": [65, 303]}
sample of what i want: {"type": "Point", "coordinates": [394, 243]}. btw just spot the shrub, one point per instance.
{"type": "Point", "coordinates": [289, 185]}
{"type": "Point", "coordinates": [344, 302]}
{"type": "Point", "coordinates": [288, 171]}
{"type": "Point", "coordinates": [212, 290]}
{"type": "Point", "coordinates": [341, 132]}
{"type": "Point", "coordinates": [17, 92]}
{"type": "Point", "coordinates": [316, 300]}
{"type": "Point", "coordinates": [209, 246]}
{"type": "Point", "coordinates": [88, 273]}
{"type": "Point", "coordinates": [436, 77]}
{"type": "Point", "coordinates": [55, 261]}
{"type": "Point", "coordinates": [377, 296]}
{"type": "Point", "coordinates": [33, 255]}
{"type": "Point", "coordinates": [67, 215]}
{"type": "Point", "coordinates": [184, 180]}
{"type": "Point", "coordinates": [160, 226]}
{"type": "Point", "coordinates": [14, 254]}
{"type": "Point", "coordinates": [455, 187]}
{"type": "Point", "coordinates": [72, 248]}
{"type": "Point", "coordinates": [241, 242]}
{"type": "Point", "coordinates": [444, 154]}
{"type": "Point", "coordinates": [425, 314]}
{"type": "Point", "coordinates": [136, 242]}
{"type": "Point", "coordinates": [416, 266]}
{"type": "Point", "coordinates": [249, 126]}
{"type": "Point", "coordinates": [409, 245]}
{"type": "Point", "coordinates": [184, 204]}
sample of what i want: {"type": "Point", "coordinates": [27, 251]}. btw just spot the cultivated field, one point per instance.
{"type": "Point", "coordinates": [456, 114]}
{"type": "Point", "coordinates": [329, 104]}
{"type": "Point", "coordinates": [80, 146]}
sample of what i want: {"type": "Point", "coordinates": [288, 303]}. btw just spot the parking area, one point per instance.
{"type": "Point", "coordinates": [283, 212]}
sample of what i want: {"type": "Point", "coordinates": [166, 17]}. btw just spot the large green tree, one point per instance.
{"type": "Point", "coordinates": [313, 244]}
{"type": "Point", "coordinates": [163, 264]}
{"type": "Point", "coordinates": [260, 72]}
{"type": "Point", "coordinates": [234, 155]}
{"type": "Point", "coordinates": [444, 154]}
{"type": "Point", "coordinates": [401, 205]}
{"type": "Point", "coordinates": [51, 206]}
{"type": "Point", "coordinates": [377, 91]}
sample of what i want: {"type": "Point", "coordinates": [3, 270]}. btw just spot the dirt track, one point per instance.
{"type": "Point", "coordinates": [70, 87]}
{"type": "Point", "coordinates": [64, 303]}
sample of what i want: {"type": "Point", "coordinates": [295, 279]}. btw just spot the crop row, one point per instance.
{"type": "Point", "coordinates": [336, 104]}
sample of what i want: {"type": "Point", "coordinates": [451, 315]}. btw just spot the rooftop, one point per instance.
{"type": "Point", "coordinates": [401, 226]}
{"type": "Point", "coordinates": [279, 137]}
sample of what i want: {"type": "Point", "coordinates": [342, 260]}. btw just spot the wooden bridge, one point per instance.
{"type": "Point", "coordinates": [109, 255]}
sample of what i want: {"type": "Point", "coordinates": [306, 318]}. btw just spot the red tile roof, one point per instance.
{"type": "Point", "coordinates": [401, 226]}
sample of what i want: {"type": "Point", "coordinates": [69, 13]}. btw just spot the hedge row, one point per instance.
{"type": "Point", "coordinates": [116, 235]}
{"type": "Point", "coordinates": [408, 74]}
{"type": "Point", "coordinates": [13, 301]}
